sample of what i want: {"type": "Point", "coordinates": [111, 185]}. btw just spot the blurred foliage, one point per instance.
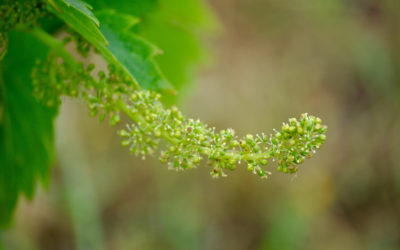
{"type": "Point", "coordinates": [26, 130]}
{"type": "Point", "coordinates": [338, 59]}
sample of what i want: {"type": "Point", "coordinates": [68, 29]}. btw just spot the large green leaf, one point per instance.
{"type": "Point", "coordinates": [26, 126]}
{"type": "Point", "coordinates": [190, 13]}
{"type": "Point", "coordinates": [78, 15]}
{"type": "Point", "coordinates": [183, 51]}
{"type": "Point", "coordinates": [132, 7]}
{"type": "Point", "coordinates": [131, 52]}
{"type": "Point", "coordinates": [177, 28]}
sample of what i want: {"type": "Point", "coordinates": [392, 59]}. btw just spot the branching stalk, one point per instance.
{"type": "Point", "coordinates": [189, 141]}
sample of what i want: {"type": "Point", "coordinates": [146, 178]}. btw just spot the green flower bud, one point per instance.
{"type": "Point", "coordinates": [249, 138]}
{"type": "Point", "coordinates": [178, 134]}
{"type": "Point", "coordinates": [285, 128]}
{"type": "Point", "coordinates": [196, 159]}
{"type": "Point", "coordinates": [125, 143]}
{"type": "Point", "coordinates": [174, 110]}
{"type": "Point", "coordinates": [101, 74]}
{"type": "Point", "coordinates": [157, 133]}
{"type": "Point", "coordinates": [114, 119]}
{"type": "Point", "coordinates": [234, 143]}
{"type": "Point", "coordinates": [201, 138]}
{"type": "Point", "coordinates": [308, 125]}
{"type": "Point", "coordinates": [123, 133]}
{"type": "Point", "coordinates": [300, 160]}
{"type": "Point", "coordinates": [90, 67]}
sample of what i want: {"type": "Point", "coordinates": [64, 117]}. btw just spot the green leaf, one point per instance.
{"type": "Point", "coordinates": [77, 14]}
{"type": "Point", "coordinates": [182, 50]}
{"type": "Point", "coordinates": [176, 28]}
{"type": "Point", "coordinates": [195, 13]}
{"type": "Point", "coordinates": [84, 8]}
{"type": "Point", "coordinates": [26, 126]}
{"type": "Point", "coordinates": [113, 39]}
{"type": "Point", "coordinates": [179, 29]}
{"type": "Point", "coordinates": [131, 7]}
{"type": "Point", "coordinates": [131, 52]}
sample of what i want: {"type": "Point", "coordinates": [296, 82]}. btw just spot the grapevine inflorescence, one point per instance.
{"type": "Point", "coordinates": [189, 141]}
{"type": "Point", "coordinates": [131, 86]}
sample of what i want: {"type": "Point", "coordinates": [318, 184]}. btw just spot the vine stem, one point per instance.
{"type": "Point", "coordinates": [139, 119]}
{"type": "Point", "coordinates": [53, 43]}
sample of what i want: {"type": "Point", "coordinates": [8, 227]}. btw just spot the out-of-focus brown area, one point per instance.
{"type": "Point", "coordinates": [336, 59]}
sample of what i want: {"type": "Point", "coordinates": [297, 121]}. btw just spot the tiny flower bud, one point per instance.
{"type": "Point", "coordinates": [285, 128]}
{"type": "Point", "coordinates": [125, 143]}
{"type": "Point", "coordinates": [157, 133]}
{"type": "Point", "coordinates": [300, 130]}
{"type": "Point", "coordinates": [123, 133]}
{"type": "Point", "coordinates": [234, 143]}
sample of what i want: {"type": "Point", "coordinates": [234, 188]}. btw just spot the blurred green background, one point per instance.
{"type": "Point", "coordinates": [272, 59]}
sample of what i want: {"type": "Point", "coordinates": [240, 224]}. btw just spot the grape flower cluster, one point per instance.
{"type": "Point", "coordinates": [188, 141]}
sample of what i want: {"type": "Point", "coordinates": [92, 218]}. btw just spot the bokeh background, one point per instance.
{"type": "Point", "coordinates": [271, 60]}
